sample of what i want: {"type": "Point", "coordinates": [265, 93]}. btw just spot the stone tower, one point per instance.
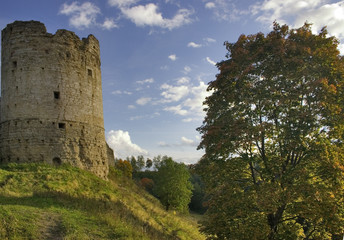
{"type": "Point", "coordinates": [51, 98]}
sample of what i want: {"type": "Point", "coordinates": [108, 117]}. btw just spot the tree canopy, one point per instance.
{"type": "Point", "coordinates": [173, 185]}
{"type": "Point", "coordinates": [273, 138]}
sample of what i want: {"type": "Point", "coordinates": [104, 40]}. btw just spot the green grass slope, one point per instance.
{"type": "Point", "coordinates": [43, 202]}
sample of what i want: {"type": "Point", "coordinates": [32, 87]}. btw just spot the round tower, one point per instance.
{"type": "Point", "coordinates": [51, 98]}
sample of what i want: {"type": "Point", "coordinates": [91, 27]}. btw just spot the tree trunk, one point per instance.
{"type": "Point", "coordinates": [273, 220]}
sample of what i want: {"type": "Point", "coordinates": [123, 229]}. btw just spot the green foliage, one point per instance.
{"type": "Point", "coordinates": [157, 161]}
{"type": "Point", "coordinates": [140, 162]}
{"type": "Point", "coordinates": [173, 184]}
{"type": "Point", "coordinates": [125, 167]}
{"type": "Point", "coordinates": [149, 163]}
{"type": "Point", "coordinates": [198, 193]}
{"type": "Point", "coordinates": [147, 184]}
{"type": "Point", "coordinates": [273, 136]}
{"type": "Point", "coordinates": [44, 202]}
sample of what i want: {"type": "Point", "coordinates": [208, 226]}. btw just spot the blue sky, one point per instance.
{"type": "Point", "coordinates": [158, 57]}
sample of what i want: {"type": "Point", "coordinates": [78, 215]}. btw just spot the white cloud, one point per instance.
{"type": "Point", "coordinates": [163, 144]}
{"type": "Point", "coordinates": [81, 16]}
{"type": "Point", "coordinates": [148, 15]}
{"type": "Point", "coordinates": [119, 92]}
{"type": "Point", "coordinates": [174, 94]}
{"type": "Point", "coordinates": [136, 118]}
{"type": "Point", "coordinates": [210, 61]}
{"type": "Point", "coordinates": [109, 23]}
{"type": "Point", "coordinates": [192, 100]}
{"type": "Point", "coordinates": [295, 13]}
{"type": "Point", "coordinates": [194, 45]}
{"type": "Point", "coordinates": [183, 80]}
{"type": "Point", "coordinates": [131, 107]}
{"type": "Point", "coordinates": [225, 10]}
{"type": "Point", "coordinates": [148, 80]}
{"type": "Point", "coordinates": [176, 110]}
{"type": "Point", "coordinates": [173, 57]}
{"type": "Point", "coordinates": [195, 102]}
{"type": "Point", "coordinates": [209, 40]}
{"type": "Point", "coordinates": [187, 141]}
{"type": "Point", "coordinates": [121, 143]}
{"type": "Point", "coordinates": [210, 5]}
{"type": "Point", "coordinates": [122, 3]}
{"type": "Point", "coordinates": [187, 69]}
{"type": "Point", "coordinates": [187, 120]}
{"type": "Point", "coordinates": [271, 10]}
{"type": "Point", "coordinates": [184, 141]}
{"type": "Point", "coordinates": [143, 101]}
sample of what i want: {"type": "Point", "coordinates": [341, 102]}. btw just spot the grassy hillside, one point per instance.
{"type": "Point", "coordinates": [43, 202]}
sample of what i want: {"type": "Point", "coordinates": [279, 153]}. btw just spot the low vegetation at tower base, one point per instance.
{"type": "Point", "coordinates": [39, 201]}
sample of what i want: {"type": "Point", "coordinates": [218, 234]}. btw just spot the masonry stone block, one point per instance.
{"type": "Point", "coordinates": [51, 98]}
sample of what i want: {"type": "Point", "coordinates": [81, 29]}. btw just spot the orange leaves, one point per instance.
{"type": "Point", "coordinates": [273, 133]}
{"type": "Point", "coordinates": [147, 184]}
{"type": "Point", "coordinates": [125, 167]}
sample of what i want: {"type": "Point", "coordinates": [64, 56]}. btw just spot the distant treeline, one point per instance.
{"type": "Point", "coordinates": [162, 177]}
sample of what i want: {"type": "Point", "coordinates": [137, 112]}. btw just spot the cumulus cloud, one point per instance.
{"type": "Point", "coordinates": [148, 80]}
{"type": "Point", "coordinates": [81, 16]}
{"type": "Point", "coordinates": [187, 141]}
{"type": "Point", "coordinates": [183, 142]}
{"type": "Point", "coordinates": [293, 12]}
{"type": "Point", "coordinates": [187, 120]}
{"type": "Point", "coordinates": [192, 105]}
{"type": "Point", "coordinates": [122, 145]}
{"type": "Point", "coordinates": [143, 101]}
{"type": "Point", "coordinates": [119, 92]}
{"type": "Point", "coordinates": [206, 42]}
{"type": "Point", "coordinates": [210, 61]}
{"type": "Point", "coordinates": [270, 10]}
{"type": "Point", "coordinates": [195, 102]}
{"type": "Point", "coordinates": [122, 3]}
{"type": "Point", "coordinates": [173, 93]}
{"type": "Point", "coordinates": [194, 45]}
{"type": "Point", "coordinates": [149, 15]}
{"type": "Point", "coordinates": [176, 110]}
{"type": "Point", "coordinates": [183, 80]}
{"type": "Point", "coordinates": [109, 23]}
{"type": "Point", "coordinates": [225, 10]}
{"type": "Point", "coordinates": [173, 57]}
{"type": "Point", "coordinates": [210, 5]}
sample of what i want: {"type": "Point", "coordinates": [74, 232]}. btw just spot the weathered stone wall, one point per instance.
{"type": "Point", "coordinates": [51, 98]}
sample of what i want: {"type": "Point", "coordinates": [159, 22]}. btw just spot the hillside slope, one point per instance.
{"type": "Point", "coordinates": [43, 202]}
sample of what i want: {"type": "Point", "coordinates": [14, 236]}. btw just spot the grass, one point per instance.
{"type": "Point", "coordinates": [39, 201]}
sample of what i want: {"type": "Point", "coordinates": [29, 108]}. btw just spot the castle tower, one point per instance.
{"type": "Point", "coordinates": [51, 98]}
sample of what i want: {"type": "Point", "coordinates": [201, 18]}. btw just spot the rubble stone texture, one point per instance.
{"type": "Point", "coordinates": [51, 98]}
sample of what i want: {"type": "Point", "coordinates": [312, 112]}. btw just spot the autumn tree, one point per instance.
{"type": "Point", "coordinates": [273, 138]}
{"type": "Point", "coordinates": [147, 184]}
{"type": "Point", "coordinates": [172, 185]}
{"type": "Point", "coordinates": [124, 166]}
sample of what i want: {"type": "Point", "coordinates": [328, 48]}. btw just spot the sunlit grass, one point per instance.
{"type": "Point", "coordinates": [39, 201]}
